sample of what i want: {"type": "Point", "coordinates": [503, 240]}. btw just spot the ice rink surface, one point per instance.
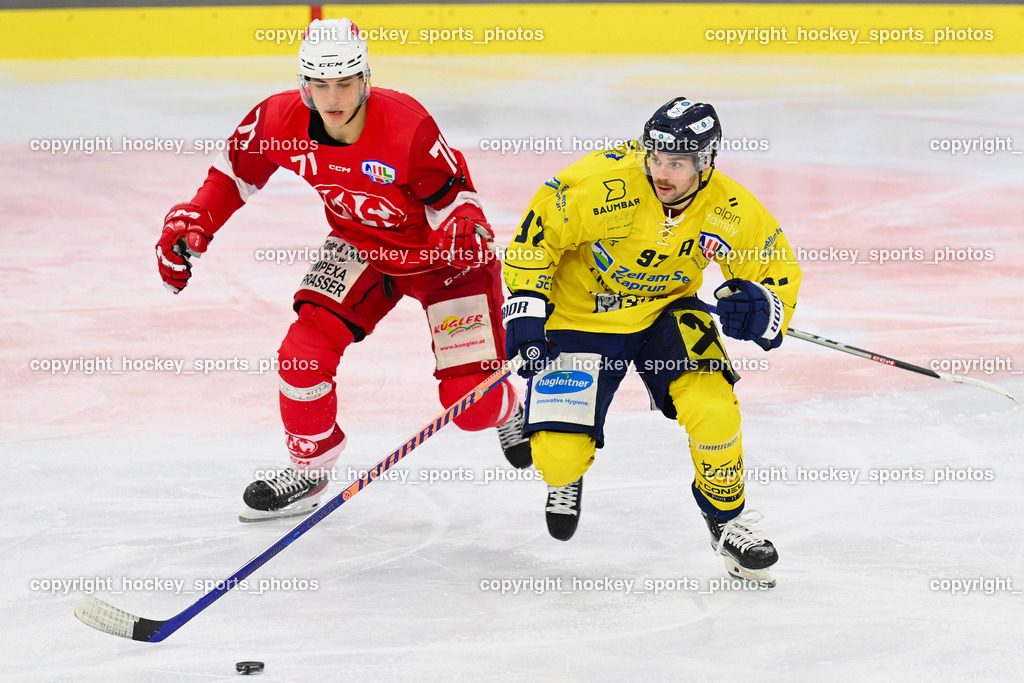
{"type": "Point", "coordinates": [127, 485]}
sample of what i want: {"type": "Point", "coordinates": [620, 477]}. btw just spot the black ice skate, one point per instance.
{"type": "Point", "coordinates": [285, 493]}
{"type": "Point", "coordinates": [748, 555]}
{"type": "Point", "coordinates": [562, 512]}
{"type": "Point", "coordinates": [516, 446]}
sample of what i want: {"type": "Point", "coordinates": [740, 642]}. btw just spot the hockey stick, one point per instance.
{"type": "Point", "coordinates": [107, 618]}
{"type": "Point", "coordinates": [885, 360]}
{"type": "Point", "coordinates": [903, 365]}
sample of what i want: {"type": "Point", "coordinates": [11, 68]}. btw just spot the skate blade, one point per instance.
{"type": "Point", "coordinates": [764, 577]}
{"type": "Point", "coordinates": [299, 508]}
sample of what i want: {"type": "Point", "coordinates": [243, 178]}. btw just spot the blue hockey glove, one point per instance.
{"type": "Point", "coordinates": [524, 315]}
{"type": "Point", "coordinates": [750, 311]}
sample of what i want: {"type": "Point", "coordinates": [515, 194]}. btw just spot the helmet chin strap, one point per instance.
{"type": "Point", "coordinates": [356, 112]}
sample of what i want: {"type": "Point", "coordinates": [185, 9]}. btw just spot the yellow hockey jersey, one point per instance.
{"type": "Point", "coordinates": [597, 242]}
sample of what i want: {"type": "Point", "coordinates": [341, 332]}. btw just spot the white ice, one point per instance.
{"type": "Point", "coordinates": [136, 477]}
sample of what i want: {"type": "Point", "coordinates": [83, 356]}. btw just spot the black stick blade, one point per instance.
{"type": "Point", "coordinates": [109, 619]}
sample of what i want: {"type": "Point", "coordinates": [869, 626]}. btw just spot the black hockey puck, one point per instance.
{"type": "Point", "coordinates": [249, 668]}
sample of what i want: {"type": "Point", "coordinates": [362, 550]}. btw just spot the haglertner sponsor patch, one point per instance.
{"type": "Point", "coordinates": [565, 382]}
{"type": "Point", "coordinates": [564, 392]}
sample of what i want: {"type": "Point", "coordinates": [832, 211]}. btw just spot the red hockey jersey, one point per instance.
{"type": "Point", "coordinates": [381, 193]}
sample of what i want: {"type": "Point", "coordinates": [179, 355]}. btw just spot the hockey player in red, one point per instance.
{"type": "Point", "coordinates": [405, 221]}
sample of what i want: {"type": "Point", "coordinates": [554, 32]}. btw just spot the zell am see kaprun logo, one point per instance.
{"type": "Point", "coordinates": [378, 172]}
{"type": "Point", "coordinates": [563, 382]}
{"type": "Point", "coordinates": [454, 325]}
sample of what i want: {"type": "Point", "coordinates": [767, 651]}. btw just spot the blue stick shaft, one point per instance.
{"type": "Point", "coordinates": [157, 631]}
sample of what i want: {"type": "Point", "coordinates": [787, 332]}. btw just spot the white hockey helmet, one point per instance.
{"type": "Point", "coordinates": [332, 48]}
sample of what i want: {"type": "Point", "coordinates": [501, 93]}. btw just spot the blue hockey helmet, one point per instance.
{"type": "Point", "coordinates": [683, 126]}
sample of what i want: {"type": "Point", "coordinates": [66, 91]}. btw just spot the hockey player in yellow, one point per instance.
{"type": "Point", "coordinates": [604, 272]}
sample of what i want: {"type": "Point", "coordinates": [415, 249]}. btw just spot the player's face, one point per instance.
{"type": "Point", "coordinates": [335, 98]}
{"type": "Point", "coordinates": [674, 175]}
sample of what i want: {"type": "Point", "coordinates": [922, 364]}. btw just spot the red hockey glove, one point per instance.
{"type": "Point", "coordinates": [187, 232]}
{"type": "Point", "coordinates": [464, 239]}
